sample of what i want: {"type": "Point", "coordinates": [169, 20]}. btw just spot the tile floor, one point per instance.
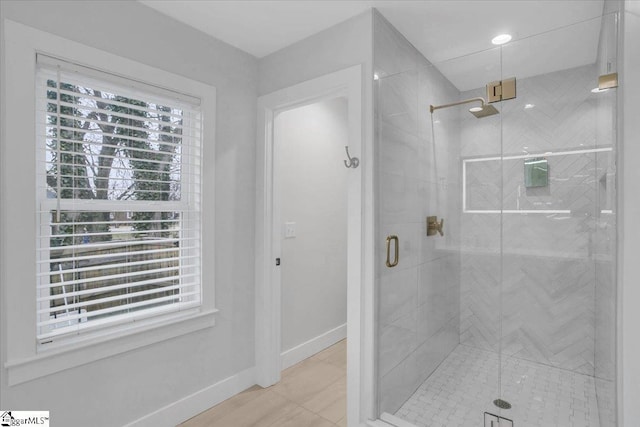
{"type": "Point", "coordinates": [464, 386]}
{"type": "Point", "coordinates": [312, 393]}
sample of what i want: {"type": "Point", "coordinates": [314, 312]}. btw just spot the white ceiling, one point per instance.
{"type": "Point", "coordinates": [441, 30]}
{"type": "Point", "coordinates": [260, 27]}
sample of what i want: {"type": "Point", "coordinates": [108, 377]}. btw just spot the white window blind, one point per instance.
{"type": "Point", "coordinates": [118, 233]}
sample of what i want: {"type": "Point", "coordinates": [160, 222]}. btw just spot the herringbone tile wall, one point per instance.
{"type": "Point", "coordinates": [548, 265]}
{"type": "Point", "coordinates": [547, 311]}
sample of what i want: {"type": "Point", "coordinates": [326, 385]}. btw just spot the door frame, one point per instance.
{"type": "Point", "coordinates": [268, 313]}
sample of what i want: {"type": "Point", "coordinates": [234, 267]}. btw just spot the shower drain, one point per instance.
{"type": "Point", "coordinates": [502, 404]}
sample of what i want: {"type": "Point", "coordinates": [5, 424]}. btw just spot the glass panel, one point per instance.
{"type": "Point", "coordinates": [557, 228]}
{"type": "Point", "coordinates": [473, 366]}
{"type": "Point", "coordinates": [438, 321]}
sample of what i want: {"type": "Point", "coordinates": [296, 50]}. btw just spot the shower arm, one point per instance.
{"type": "Point", "coordinates": [433, 108]}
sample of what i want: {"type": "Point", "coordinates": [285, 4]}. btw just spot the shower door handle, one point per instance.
{"type": "Point", "coordinates": [396, 256]}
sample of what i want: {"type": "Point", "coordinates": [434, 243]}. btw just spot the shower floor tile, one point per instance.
{"type": "Point", "coordinates": [465, 384]}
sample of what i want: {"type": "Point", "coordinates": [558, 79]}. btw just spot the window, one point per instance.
{"type": "Point", "coordinates": [118, 198]}
{"type": "Point", "coordinates": [44, 333]}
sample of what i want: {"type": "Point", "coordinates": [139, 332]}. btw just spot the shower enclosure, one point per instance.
{"type": "Point", "coordinates": [510, 312]}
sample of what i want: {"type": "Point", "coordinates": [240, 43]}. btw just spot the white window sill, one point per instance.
{"type": "Point", "coordinates": [136, 335]}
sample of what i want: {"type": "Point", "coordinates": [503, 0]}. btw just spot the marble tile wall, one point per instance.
{"type": "Point", "coordinates": [418, 301]}
{"type": "Point", "coordinates": [549, 277]}
{"type": "Point", "coordinates": [547, 314]}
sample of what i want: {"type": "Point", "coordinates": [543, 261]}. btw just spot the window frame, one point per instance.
{"type": "Point", "coordinates": [188, 204]}
{"type": "Point", "coordinates": [23, 360]}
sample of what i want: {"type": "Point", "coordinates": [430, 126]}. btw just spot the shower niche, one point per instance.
{"type": "Point", "coordinates": [515, 302]}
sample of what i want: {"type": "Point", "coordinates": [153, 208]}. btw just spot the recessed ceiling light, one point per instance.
{"type": "Point", "coordinates": [528, 106]}
{"type": "Point", "coordinates": [598, 90]}
{"type": "Point", "coordinates": [501, 39]}
{"type": "Point", "coordinates": [475, 109]}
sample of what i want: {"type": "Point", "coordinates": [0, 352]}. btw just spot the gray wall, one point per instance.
{"type": "Point", "coordinates": [337, 48]}
{"type": "Point", "coordinates": [418, 175]}
{"type": "Point", "coordinates": [120, 389]}
{"type": "Point", "coordinates": [310, 143]}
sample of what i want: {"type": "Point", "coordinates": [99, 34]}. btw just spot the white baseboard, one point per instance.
{"type": "Point", "coordinates": [313, 346]}
{"type": "Point", "coordinates": [189, 406]}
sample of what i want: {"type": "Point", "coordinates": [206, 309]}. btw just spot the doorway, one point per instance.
{"type": "Point", "coordinates": [268, 339]}
{"type": "Point", "coordinates": [311, 187]}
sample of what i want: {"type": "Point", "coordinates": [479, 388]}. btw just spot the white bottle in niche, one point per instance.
{"type": "Point", "coordinates": [289, 230]}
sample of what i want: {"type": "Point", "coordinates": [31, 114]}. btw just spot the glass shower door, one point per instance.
{"type": "Point", "coordinates": [439, 310]}
{"type": "Point", "coordinates": [511, 311]}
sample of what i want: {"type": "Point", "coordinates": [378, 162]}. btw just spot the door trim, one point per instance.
{"type": "Point", "coordinates": [347, 83]}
